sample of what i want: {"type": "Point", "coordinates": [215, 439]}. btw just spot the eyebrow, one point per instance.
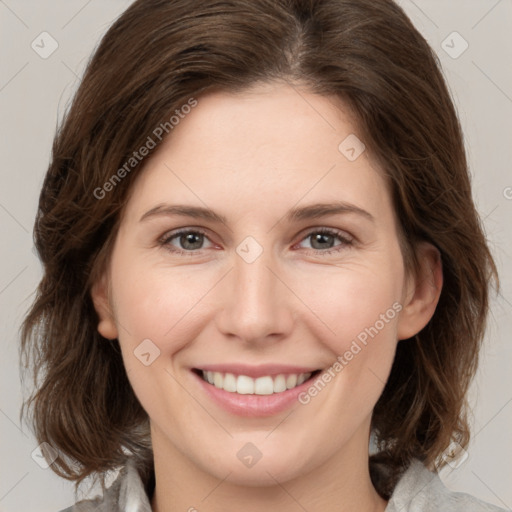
{"type": "Point", "coordinates": [312, 211]}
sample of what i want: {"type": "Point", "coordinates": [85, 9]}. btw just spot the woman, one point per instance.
{"type": "Point", "coordinates": [192, 328]}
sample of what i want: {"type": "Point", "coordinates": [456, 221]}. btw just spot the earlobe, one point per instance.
{"type": "Point", "coordinates": [100, 298]}
{"type": "Point", "coordinates": [422, 292]}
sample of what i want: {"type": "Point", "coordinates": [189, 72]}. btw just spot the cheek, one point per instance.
{"type": "Point", "coordinates": [351, 302]}
{"type": "Point", "coordinates": [157, 315]}
{"type": "Point", "coordinates": [164, 305]}
{"type": "Point", "coordinates": [360, 305]}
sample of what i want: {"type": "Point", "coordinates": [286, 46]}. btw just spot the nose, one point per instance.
{"type": "Point", "coordinates": [256, 305]}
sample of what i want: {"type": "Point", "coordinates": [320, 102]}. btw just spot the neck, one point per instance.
{"type": "Point", "coordinates": [341, 483]}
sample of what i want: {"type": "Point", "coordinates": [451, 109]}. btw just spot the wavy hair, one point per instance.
{"type": "Point", "coordinates": [155, 57]}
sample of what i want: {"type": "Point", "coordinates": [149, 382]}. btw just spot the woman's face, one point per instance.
{"type": "Point", "coordinates": [287, 262]}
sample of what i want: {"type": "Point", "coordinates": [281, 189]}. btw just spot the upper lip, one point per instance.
{"type": "Point", "coordinates": [256, 371]}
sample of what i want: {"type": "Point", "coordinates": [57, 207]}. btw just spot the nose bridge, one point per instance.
{"type": "Point", "coordinates": [255, 305]}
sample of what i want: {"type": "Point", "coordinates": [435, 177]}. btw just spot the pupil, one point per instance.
{"type": "Point", "coordinates": [189, 240]}
{"type": "Point", "coordinates": [322, 238]}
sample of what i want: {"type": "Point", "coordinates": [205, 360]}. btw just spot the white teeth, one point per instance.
{"type": "Point", "coordinates": [245, 385]}
{"type": "Point", "coordinates": [291, 381]}
{"type": "Point", "coordinates": [263, 386]}
{"type": "Point", "coordinates": [218, 380]}
{"type": "Point", "coordinates": [229, 383]}
{"type": "Point", "coordinates": [279, 384]}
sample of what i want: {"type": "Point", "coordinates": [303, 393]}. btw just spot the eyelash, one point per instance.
{"type": "Point", "coordinates": [165, 240]}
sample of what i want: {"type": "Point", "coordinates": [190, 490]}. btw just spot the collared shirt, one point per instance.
{"type": "Point", "coordinates": [418, 490]}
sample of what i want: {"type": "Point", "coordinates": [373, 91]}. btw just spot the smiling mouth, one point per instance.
{"type": "Point", "coordinates": [245, 385]}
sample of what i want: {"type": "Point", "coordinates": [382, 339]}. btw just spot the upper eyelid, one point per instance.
{"type": "Point", "coordinates": [342, 235]}
{"type": "Point", "coordinates": [178, 231]}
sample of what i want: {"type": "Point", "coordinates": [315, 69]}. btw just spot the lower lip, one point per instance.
{"type": "Point", "coordinates": [253, 405]}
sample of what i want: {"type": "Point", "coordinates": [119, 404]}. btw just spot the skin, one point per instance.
{"type": "Point", "coordinates": [252, 157]}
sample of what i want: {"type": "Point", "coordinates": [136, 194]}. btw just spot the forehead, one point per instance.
{"type": "Point", "coordinates": [272, 145]}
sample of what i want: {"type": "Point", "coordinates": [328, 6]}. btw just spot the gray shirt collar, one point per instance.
{"type": "Point", "coordinates": [418, 490]}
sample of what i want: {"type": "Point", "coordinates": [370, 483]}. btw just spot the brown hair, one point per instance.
{"type": "Point", "coordinates": [156, 57]}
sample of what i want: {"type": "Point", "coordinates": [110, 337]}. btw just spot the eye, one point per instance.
{"type": "Point", "coordinates": [186, 241]}
{"type": "Point", "coordinates": [322, 240]}
{"type": "Point", "coordinates": [190, 241]}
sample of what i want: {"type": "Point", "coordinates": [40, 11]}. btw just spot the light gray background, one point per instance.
{"type": "Point", "coordinates": [33, 95]}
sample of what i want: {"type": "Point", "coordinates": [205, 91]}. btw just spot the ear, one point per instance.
{"type": "Point", "coordinates": [100, 298]}
{"type": "Point", "coordinates": [422, 292]}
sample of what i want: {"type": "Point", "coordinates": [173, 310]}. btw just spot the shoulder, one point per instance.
{"type": "Point", "coordinates": [420, 490]}
{"type": "Point", "coordinates": [127, 492]}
